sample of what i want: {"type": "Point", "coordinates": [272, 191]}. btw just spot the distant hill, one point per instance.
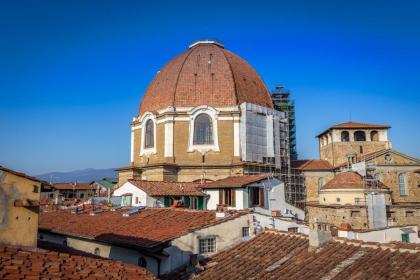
{"type": "Point", "coordinates": [81, 176]}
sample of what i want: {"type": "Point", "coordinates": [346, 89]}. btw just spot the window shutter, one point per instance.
{"type": "Point", "coordinates": [261, 197]}
{"type": "Point", "coordinates": [233, 197]}
{"type": "Point", "coordinates": [220, 196]}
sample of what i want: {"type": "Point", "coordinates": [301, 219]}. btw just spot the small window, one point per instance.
{"type": "Point", "coordinates": [149, 135]}
{"type": "Point", "coordinates": [338, 199]}
{"type": "Point", "coordinates": [405, 237]}
{"type": "Point", "coordinates": [321, 183]}
{"type": "Point", "coordinates": [409, 213]}
{"type": "Point", "coordinates": [390, 214]}
{"type": "Point", "coordinates": [207, 245]}
{"type": "Point", "coordinates": [35, 189]}
{"type": "Point", "coordinates": [355, 214]}
{"type": "Point", "coordinates": [345, 137]}
{"type": "Point", "coordinates": [137, 200]}
{"type": "Point", "coordinates": [97, 251]}
{"type": "Point", "coordinates": [359, 136]}
{"type": "Point", "coordinates": [361, 149]}
{"type": "Point", "coordinates": [245, 232]}
{"type": "Point", "coordinates": [401, 184]}
{"type": "Point", "coordinates": [292, 229]}
{"type": "Point", "coordinates": [203, 130]}
{"type": "Point", "coordinates": [142, 262]}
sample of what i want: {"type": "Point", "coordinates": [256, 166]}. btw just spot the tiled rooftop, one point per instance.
{"type": "Point", "coordinates": [148, 228]}
{"type": "Point", "coordinates": [28, 264]}
{"type": "Point", "coordinates": [312, 165]}
{"type": "Point", "coordinates": [73, 186]}
{"type": "Point", "coordinates": [162, 188]}
{"type": "Point", "coordinates": [282, 255]}
{"type": "Point", "coordinates": [355, 125]}
{"type": "Point", "coordinates": [234, 181]}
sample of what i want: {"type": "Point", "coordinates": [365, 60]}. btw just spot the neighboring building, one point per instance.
{"type": "Point", "coordinates": [265, 195]}
{"type": "Point", "coordinates": [161, 194]}
{"type": "Point", "coordinates": [316, 173]}
{"type": "Point", "coordinates": [348, 198]}
{"type": "Point", "coordinates": [365, 149]}
{"type": "Point", "coordinates": [104, 187]}
{"type": "Point", "coordinates": [159, 239]}
{"type": "Point", "coordinates": [81, 191]}
{"type": "Point", "coordinates": [206, 115]}
{"type": "Point", "coordinates": [342, 143]}
{"type": "Point", "coordinates": [19, 207]}
{"type": "Point", "coordinates": [408, 234]}
{"type": "Point", "coordinates": [282, 255]}
{"type": "Point", "coordinates": [33, 263]}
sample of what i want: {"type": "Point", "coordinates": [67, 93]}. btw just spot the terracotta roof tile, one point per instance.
{"type": "Point", "coordinates": [190, 80]}
{"type": "Point", "coordinates": [16, 263]}
{"type": "Point", "coordinates": [312, 165]}
{"type": "Point", "coordinates": [350, 180]}
{"type": "Point", "coordinates": [148, 228]}
{"type": "Point", "coordinates": [281, 255]}
{"type": "Point", "coordinates": [234, 181]}
{"type": "Point", "coordinates": [162, 188]}
{"type": "Point", "coordinates": [73, 186]}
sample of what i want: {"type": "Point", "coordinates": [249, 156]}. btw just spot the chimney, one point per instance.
{"type": "Point", "coordinates": [319, 235]}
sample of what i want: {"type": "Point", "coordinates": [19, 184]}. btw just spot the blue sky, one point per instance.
{"type": "Point", "coordinates": [72, 73]}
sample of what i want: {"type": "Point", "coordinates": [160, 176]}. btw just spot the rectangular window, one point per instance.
{"type": "Point", "coordinates": [207, 245]}
{"type": "Point", "coordinates": [35, 189]}
{"type": "Point", "coordinates": [227, 197]}
{"type": "Point", "coordinates": [355, 214]}
{"type": "Point", "coordinates": [257, 197]}
{"type": "Point", "coordinates": [409, 213]}
{"type": "Point", "coordinates": [292, 229]}
{"type": "Point", "coordinates": [405, 237]}
{"type": "Point", "coordinates": [361, 149]}
{"type": "Point", "coordinates": [137, 200]}
{"type": "Point", "coordinates": [245, 232]}
{"type": "Point", "coordinates": [390, 214]}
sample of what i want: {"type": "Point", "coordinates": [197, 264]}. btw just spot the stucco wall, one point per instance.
{"type": "Point", "coordinates": [18, 225]}
{"type": "Point", "coordinates": [382, 236]}
{"type": "Point", "coordinates": [105, 250]}
{"type": "Point", "coordinates": [137, 193]}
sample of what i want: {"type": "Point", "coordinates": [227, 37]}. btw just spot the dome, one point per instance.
{"type": "Point", "coordinates": [205, 74]}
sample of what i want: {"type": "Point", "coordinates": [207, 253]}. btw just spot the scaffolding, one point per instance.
{"type": "Point", "coordinates": [270, 156]}
{"type": "Point", "coordinates": [282, 103]}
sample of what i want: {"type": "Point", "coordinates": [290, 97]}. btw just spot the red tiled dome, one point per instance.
{"type": "Point", "coordinates": [205, 74]}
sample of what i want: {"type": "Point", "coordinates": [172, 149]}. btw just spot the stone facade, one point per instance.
{"type": "Point", "coordinates": [333, 148]}
{"type": "Point", "coordinates": [312, 181]}
{"type": "Point", "coordinates": [336, 215]}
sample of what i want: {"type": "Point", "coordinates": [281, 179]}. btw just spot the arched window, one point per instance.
{"type": "Point", "coordinates": [320, 183]}
{"type": "Point", "coordinates": [203, 130]}
{"type": "Point", "coordinates": [149, 136]}
{"type": "Point", "coordinates": [359, 136]}
{"type": "Point", "coordinates": [401, 184]}
{"type": "Point", "coordinates": [345, 136]}
{"type": "Point", "coordinates": [374, 136]}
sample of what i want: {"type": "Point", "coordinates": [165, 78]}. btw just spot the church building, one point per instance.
{"type": "Point", "coordinates": [205, 116]}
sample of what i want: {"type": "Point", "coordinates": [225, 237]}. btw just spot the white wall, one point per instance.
{"type": "Point", "coordinates": [130, 188]}
{"type": "Point", "coordinates": [275, 200]}
{"type": "Point", "coordinates": [266, 221]}
{"type": "Point", "coordinates": [383, 236]}
{"type": "Point", "coordinates": [213, 200]}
